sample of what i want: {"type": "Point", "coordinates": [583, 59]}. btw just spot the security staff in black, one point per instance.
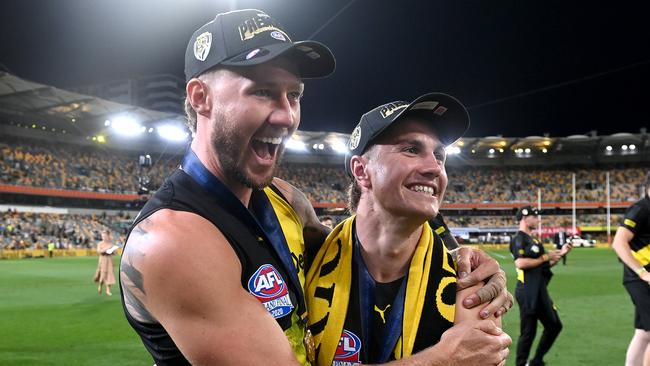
{"type": "Point", "coordinates": [632, 245]}
{"type": "Point", "coordinates": [533, 275]}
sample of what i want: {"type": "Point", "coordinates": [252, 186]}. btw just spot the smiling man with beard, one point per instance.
{"type": "Point", "coordinates": [207, 274]}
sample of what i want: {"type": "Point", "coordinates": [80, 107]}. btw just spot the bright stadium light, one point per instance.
{"type": "Point", "coordinates": [295, 145]}
{"type": "Point", "coordinates": [624, 147]}
{"type": "Point", "coordinates": [544, 150]}
{"type": "Point", "coordinates": [491, 151]}
{"type": "Point", "coordinates": [339, 146]}
{"type": "Point", "coordinates": [608, 147]}
{"type": "Point", "coordinates": [172, 133]}
{"type": "Point", "coordinates": [452, 150]}
{"type": "Point", "coordinates": [527, 151]}
{"type": "Point", "coordinates": [106, 123]}
{"type": "Point", "coordinates": [126, 126]}
{"type": "Point", "coordinates": [632, 147]}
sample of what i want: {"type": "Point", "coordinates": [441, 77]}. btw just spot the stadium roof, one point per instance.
{"type": "Point", "coordinates": [63, 110]}
{"type": "Point", "coordinates": [34, 109]}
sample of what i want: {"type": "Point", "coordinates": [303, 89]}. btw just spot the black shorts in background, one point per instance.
{"type": "Point", "coordinates": [640, 293]}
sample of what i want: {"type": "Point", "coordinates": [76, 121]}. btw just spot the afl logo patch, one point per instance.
{"type": "Point", "coordinates": [202, 46]}
{"type": "Point", "coordinates": [348, 351]}
{"type": "Point", "coordinates": [268, 286]}
{"type": "Point", "coordinates": [354, 138]}
{"type": "Point", "coordinates": [279, 36]}
{"type": "Point", "coordinates": [535, 249]}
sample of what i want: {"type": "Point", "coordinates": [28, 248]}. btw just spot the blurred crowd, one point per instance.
{"type": "Point", "coordinates": [93, 168]}
{"type": "Point", "coordinates": [82, 168]}
{"type": "Point", "coordinates": [28, 230]}
{"type": "Point", "coordinates": [484, 222]}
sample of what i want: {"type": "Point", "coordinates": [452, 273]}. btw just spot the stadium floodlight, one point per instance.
{"type": "Point", "coordinates": [126, 126]}
{"type": "Point", "coordinates": [544, 150]}
{"type": "Point", "coordinates": [632, 147]}
{"type": "Point", "coordinates": [608, 147]}
{"type": "Point", "coordinates": [295, 145]}
{"type": "Point", "coordinates": [339, 146]}
{"type": "Point", "coordinates": [318, 146]}
{"type": "Point", "coordinates": [527, 150]}
{"type": "Point", "coordinates": [106, 123]}
{"type": "Point", "coordinates": [624, 147]}
{"type": "Point", "coordinates": [172, 133]}
{"type": "Point", "coordinates": [452, 150]}
{"type": "Point", "coordinates": [491, 151]}
{"type": "Point", "coordinates": [101, 139]}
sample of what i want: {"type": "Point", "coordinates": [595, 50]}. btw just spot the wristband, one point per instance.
{"type": "Point", "coordinates": [639, 271]}
{"type": "Point", "coordinates": [545, 257]}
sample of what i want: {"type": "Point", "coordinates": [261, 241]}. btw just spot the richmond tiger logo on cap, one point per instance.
{"type": "Point", "coordinates": [354, 138]}
{"type": "Point", "coordinates": [202, 46]}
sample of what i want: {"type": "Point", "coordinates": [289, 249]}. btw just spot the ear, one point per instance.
{"type": "Point", "coordinates": [197, 94]}
{"type": "Point", "coordinates": [359, 168]}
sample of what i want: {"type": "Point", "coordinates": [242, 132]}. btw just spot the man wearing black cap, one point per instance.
{"type": "Point", "coordinates": [383, 286]}
{"type": "Point", "coordinates": [631, 244]}
{"type": "Point", "coordinates": [533, 275]}
{"type": "Point", "coordinates": [207, 273]}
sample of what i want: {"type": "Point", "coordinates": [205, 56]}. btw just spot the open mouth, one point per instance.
{"type": "Point", "coordinates": [266, 148]}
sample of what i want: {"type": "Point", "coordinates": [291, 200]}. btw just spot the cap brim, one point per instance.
{"type": "Point", "coordinates": [314, 59]}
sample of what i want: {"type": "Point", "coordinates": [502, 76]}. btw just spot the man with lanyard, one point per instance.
{"type": "Point", "coordinates": [383, 286]}
{"type": "Point", "coordinates": [207, 275]}
{"type": "Point", "coordinates": [533, 275]}
{"type": "Point", "coordinates": [632, 245]}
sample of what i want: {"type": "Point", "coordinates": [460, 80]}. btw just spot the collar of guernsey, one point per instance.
{"type": "Point", "coordinates": [265, 223]}
{"type": "Point", "coordinates": [332, 270]}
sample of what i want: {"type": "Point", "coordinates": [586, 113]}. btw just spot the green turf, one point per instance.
{"type": "Point", "coordinates": [50, 313]}
{"type": "Point", "coordinates": [596, 311]}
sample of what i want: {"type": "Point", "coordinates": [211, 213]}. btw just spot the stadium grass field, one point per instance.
{"type": "Point", "coordinates": [51, 314]}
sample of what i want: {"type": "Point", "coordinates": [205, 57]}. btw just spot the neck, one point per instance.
{"type": "Point", "coordinates": [208, 158]}
{"type": "Point", "coordinates": [523, 227]}
{"type": "Point", "coordinates": [387, 242]}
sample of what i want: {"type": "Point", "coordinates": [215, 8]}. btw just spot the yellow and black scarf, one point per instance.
{"type": "Point", "coordinates": [329, 282]}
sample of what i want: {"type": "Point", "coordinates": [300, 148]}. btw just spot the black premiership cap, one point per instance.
{"type": "Point", "coordinates": [526, 211]}
{"type": "Point", "coordinates": [447, 115]}
{"type": "Point", "coordinates": [251, 37]}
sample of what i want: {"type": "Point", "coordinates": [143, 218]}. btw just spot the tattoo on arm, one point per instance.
{"type": "Point", "coordinates": [132, 277]}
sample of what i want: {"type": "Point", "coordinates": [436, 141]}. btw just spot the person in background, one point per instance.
{"type": "Point", "coordinates": [631, 244]}
{"type": "Point", "coordinates": [327, 221]}
{"type": "Point", "coordinates": [533, 275]}
{"type": "Point", "coordinates": [105, 274]}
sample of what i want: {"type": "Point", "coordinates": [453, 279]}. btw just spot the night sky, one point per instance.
{"type": "Point", "coordinates": [522, 67]}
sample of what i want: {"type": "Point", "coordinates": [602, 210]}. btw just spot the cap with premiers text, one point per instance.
{"type": "Point", "coordinates": [251, 37]}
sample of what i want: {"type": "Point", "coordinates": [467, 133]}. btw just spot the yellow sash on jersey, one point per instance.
{"type": "Point", "coordinates": [328, 291]}
{"type": "Point", "coordinates": [292, 230]}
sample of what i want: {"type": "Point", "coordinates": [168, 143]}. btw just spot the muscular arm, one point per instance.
{"type": "Point", "coordinates": [314, 232]}
{"type": "Point", "coordinates": [552, 257]}
{"type": "Point", "coordinates": [621, 245]}
{"type": "Point", "coordinates": [184, 274]}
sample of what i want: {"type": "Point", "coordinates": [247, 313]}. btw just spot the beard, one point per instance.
{"type": "Point", "coordinates": [229, 146]}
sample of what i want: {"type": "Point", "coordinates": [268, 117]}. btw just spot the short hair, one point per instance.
{"type": "Point", "coordinates": [190, 116]}
{"type": "Point", "coordinates": [190, 113]}
{"type": "Point", "coordinates": [354, 195]}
